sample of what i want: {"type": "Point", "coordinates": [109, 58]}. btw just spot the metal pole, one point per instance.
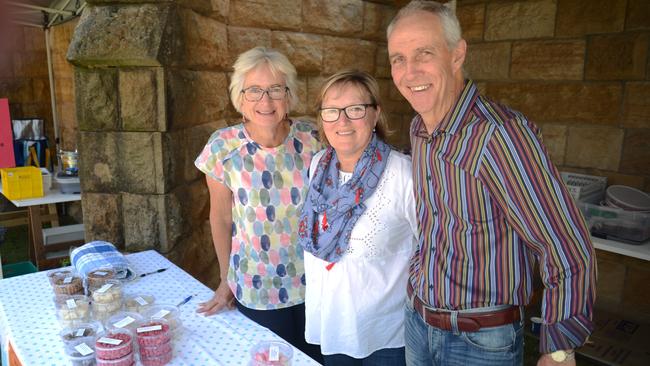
{"type": "Point", "coordinates": [57, 15]}
{"type": "Point", "coordinates": [27, 24]}
{"type": "Point", "coordinates": [55, 117]}
{"type": "Point", "coordinates": [49, 10]}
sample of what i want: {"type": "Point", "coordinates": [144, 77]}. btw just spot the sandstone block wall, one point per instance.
{"type": "Point", "coordinates": [578, 68]}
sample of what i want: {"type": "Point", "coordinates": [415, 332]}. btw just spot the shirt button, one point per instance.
{"type": "Point", "coordinates": [428, 177]}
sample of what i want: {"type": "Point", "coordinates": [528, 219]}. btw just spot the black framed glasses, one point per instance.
{"type": "Point", "coordinates": [254, 93]}
{"type": "Point", "coordinates": [355, 111]}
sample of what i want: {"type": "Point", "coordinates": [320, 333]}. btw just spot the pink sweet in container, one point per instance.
{"type": "Point", "coordinates": [156, 351]}
{"type": "Point", "coordinates": [127, 360]}
{"type": "Point", "coordinates": [156, 361]}
{"type": "Point", "coordinates": [271, 353]}
{"type": "Point", "coordinates": [114, 344]}
{"type": "Point", "coordinates": [153, 332]}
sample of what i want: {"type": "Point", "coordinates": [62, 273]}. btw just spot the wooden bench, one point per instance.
{"type": "Point", "coordinates": [57, 242]}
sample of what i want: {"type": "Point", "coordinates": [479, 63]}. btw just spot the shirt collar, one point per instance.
{"type": "Point", "coordinates": [456, 116]}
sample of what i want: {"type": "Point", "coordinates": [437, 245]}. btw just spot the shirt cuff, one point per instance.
{"type": "Point", "coordinates": [567, 334]}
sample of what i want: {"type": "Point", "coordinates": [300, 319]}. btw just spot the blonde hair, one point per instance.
{"type": "Point", "coordinates": [254, 58]}
{"type": "Point", "coordinates": [367, 84]}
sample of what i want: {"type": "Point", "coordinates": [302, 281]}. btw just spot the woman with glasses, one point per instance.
{"type": "Point", "coordinates": [358, 229]}
{"type": "Point", "coordinates": [256, 172]}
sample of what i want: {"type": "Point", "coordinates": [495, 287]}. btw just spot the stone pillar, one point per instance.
{"type": "Point", "coordinates": [150, 87]}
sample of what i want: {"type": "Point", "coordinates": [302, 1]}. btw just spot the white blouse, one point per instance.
{"type": "Point", "coordinates": [357, 307]}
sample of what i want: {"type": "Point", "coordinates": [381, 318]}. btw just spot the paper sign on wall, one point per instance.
{"type": "Point", "coordinates": [7, 159]}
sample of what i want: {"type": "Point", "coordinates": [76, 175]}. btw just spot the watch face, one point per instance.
{"type": "Point", "coordinates": [558, 356]}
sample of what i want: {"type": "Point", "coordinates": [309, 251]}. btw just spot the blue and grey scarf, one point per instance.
{"type": "Point", "coordinates": [341, 206]}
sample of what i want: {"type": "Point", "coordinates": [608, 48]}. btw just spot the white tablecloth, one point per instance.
{"type": "Point", "coordinates": [28, 319]}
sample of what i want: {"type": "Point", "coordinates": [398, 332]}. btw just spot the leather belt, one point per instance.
{"type": "Point", "coordinates": [466, 321]}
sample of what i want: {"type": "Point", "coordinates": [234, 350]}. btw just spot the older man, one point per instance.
{"type": "Point", "coordinates": [490, 205]}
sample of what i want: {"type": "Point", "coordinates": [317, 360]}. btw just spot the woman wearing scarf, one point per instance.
{"type": "Point", "coordinates": [358, 229]}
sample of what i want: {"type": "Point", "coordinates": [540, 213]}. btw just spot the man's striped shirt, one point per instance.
{"type": "Point", "coordinates": [490, 205]}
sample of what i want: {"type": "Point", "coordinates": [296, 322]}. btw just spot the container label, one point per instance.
{"type": "Point", "coordinates": [149, 329]}
{"type": "Point", "coordinates": [83, 349]}
{"type": "Point", "coordinates": [141, 301]}
{"type": "Point", "coordinates": [100, 273]}
{"type": "Point", "coordinates": [274, 353]}
{"type": "Point", "coordinates": [80, 332]}
{"type": "Point", "coordinates": [104, 288]}
{"type": "Point", "coordinates": [67, 280]}
{"type": "Point", "coordinates": [71, 303]}
{"type": "Point", "coordinates": [113, 341]}
{"type": "Point", "coordinates": [161, 314]}
{"type": "Point", "coordinates": [124, 322]}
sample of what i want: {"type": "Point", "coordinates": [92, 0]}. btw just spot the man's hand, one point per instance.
{"type": "Point", "coordinates": [222, 299]}
{"type": "Point", "coordinates": [546, 360]}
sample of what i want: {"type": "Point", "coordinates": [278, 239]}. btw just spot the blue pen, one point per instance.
{"type": "Point", "coordinates": [186, 300]}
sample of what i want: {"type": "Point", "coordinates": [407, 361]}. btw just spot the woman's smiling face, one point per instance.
{"type": "Point", "coordinates": [266, 112]}
{"type": "Point", "coordinates": [349, 137]}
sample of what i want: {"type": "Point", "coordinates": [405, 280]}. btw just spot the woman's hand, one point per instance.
{"type": "Point", "coordinates": [222, 299]}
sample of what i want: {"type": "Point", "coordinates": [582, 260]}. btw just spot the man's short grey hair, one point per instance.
{"type": "Point", "coordinates": [445, 12]}
{"type": "Point", "coordinates": [254, 58]}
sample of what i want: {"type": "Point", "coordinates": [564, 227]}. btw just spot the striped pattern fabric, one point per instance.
{"type": "Point", "coordinates": [493, 205]}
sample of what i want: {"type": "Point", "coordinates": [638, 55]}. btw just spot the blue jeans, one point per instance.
{"type": "Point", "coordinates": [382, 357]}
{"type": "Point", "coordinates": [495, 346]}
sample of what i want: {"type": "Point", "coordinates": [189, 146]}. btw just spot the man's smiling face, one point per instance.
{"type": "Point", "coordinates": [423, 67]}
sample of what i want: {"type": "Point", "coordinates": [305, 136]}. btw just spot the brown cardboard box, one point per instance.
{"type": "Point", "coordinates": [618, 341]}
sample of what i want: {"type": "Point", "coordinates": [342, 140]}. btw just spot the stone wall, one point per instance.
{"type": "Point", "coordinates": [580, 70]}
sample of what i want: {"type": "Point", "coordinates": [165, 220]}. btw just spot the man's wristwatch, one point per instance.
{"type": "Point", "coordinates": [562, 355]}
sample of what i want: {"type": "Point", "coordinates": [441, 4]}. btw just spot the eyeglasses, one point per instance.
{"type": "Point", "coordinates": [254, 93]}
{"type": "Point", "coordinates": [355, 111]}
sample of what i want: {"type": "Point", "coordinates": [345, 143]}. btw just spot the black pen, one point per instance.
{"type": "Point", "coordinates": [156, 271]}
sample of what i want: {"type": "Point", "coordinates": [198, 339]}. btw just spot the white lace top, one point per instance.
{"type": "Point", "coordinates": [356, 308]}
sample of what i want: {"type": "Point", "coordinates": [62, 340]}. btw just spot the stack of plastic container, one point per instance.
{"type": "Point", "coordinates": [155, 342]}
{"type": "Point", "coordinates": [115, 348]}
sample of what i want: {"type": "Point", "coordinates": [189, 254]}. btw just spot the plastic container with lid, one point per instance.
{"type": "Point", "coordinates": [67, 184]}
{"type": "Point", "coordinates": [67, 285]}
{"type": "Point", "coordinates": [72, 310]}
{"type": "Point", "coordinates": [157, 360]}
{"type": "Point", "coordinates": [97, 278]}
{"type": "Point", "coordinates": [114, 344]}
{"type": "Point", "coordinates": [55, 274]}
{"type": "Point", "coordinates": [78, 331]}
{"type": "Point", "coordinates": [106, 300]}
{"type": "Point", "coordinates": [627, 198]}
{"type": "Point", "coordinates": [138, 303]}
{"type": "Point", "coordinates": [169, 312]}
{"type": "Point", "coordinates": [81, 351]}
{"type": "Point", "coordinates": [124, 319]}
{"type": "Point", "coordinates": [271, 353]}
{"type": "Point", "coordinates": [127, 360]}
{"type": "Point", "coordinates": [616, 224]}
{"type": "Point", "coordinates": [153, 332]}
